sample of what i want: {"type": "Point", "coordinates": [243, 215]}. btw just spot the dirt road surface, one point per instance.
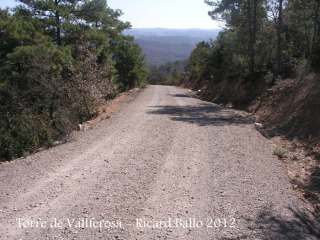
{"type": "Point", "coordinates": [165, 166]}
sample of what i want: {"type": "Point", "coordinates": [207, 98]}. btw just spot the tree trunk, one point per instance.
{"type": "Point", "coordinates": [279, 28]}
{"type": "Point", "coordinates": [251, 39]}
{"type": "Point", "coordinates": [255, 21]}
{"type": "Point", "coordinates": [51, 107]}
{"type": "Point", "coordinates": [57, 16]}
{"type": "Point", "coordinates": [86, 106]}
{"type": "Point", "coordinates": [316, 37]}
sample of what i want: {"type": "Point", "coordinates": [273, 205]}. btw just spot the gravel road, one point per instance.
{"type": "Point", "coordinates": [165, 166]}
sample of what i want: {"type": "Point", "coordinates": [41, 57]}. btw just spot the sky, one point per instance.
{"type": "Point", "coordinates": [175, 14]}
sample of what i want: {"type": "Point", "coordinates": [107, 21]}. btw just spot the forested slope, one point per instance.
{"type": "Point", "coordinates": [162, 45]}
{"type": "Point", "coordinates": [265, 54]}
{"type": "Point", "coordinates": [58, 61]}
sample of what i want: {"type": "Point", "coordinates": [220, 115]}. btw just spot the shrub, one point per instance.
{"type": "Point", "coordinates": [295, 143]}
{"type": "Point", "coordinates": [280, 152]}
{"type": "Point", "coordinates": [23, 133]}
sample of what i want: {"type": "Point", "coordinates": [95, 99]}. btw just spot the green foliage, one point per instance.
{"type": "Point", "coordinates": [170, 73]}
{"type": "Point", "coordinates": [155, 76]}
{"type": "Point", "coordinates": [199, 59]}
{"type": "Point", "coordinates": [58, 60]}
{"type": "Point", "coordinates": [129, 62]}
{"type": "Point", "coordinates": [263, 41]}
{"type": "Point", "coordinates": [23, 133]}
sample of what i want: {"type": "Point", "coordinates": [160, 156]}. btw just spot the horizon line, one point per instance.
{"type": "Point", "coordinates": [166, 28]}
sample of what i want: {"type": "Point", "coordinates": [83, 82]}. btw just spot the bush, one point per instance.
{"type": "Point", "coordinates": [23, 134]}
{"type": "Point", "coordinates": [280, 152]}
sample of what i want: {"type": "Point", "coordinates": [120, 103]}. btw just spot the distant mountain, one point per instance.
{"type": "Point", "coordinates": [167, 45]}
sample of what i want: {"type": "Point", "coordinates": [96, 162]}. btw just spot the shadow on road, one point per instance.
{"type": "Point", "coordinates": [269, 226]}
{"type": "Point", "coordinates": [201, 114]}
{"type": "Point", "coordinates": [180, 95]}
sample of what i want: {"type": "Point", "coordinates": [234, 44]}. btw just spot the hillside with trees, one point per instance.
{"type": "Point", "coordinates": [162, 45]}
{"type": "Point", "coordinates": [268, 48]}
{"type": "Point", "coordinates": [60, 59]}
{"type": "Point", "coordinates": [169, 73]}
